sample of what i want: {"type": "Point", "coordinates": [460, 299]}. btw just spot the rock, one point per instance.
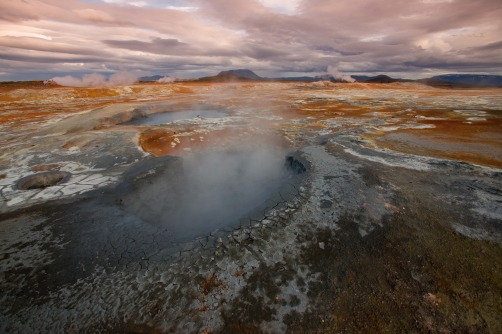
{"type": "Point", "coordinates": [205, 330]}
{"type": "Point", "coordinates": [241, 237]}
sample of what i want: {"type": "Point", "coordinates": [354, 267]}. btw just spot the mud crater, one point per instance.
{"type": "Point", "coordinates": [209, 191]}
{"type": "Point", "coordinates": [42, 180]}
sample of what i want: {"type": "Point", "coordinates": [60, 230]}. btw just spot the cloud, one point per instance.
{"type": "Point", "coordinates": [329, 49]}
{"type": "Point", "coordinates": [181, 8]}
{"type": "Point", "coordinates": [37, 44]}
{"type": "Point", "coordinates": [97, 80]}
{"type": "Point", "coordinates": [435, 44]}
{"type": "Point", "coordinates": [157, 45]}
{"type": "Point", "coordinates": [268, 36]}
{"type": "Point", "coordinates": [94, 15]}
{"type": "Point", "coordinates": [8, 33]}
{"type": "Point", "coordinates": [491, 46]}
{"type": "Point", "coordinates": [15, 11]}
{"type": "Point", "coordinates": [127, 2]}
{"type": "Point", "coordinates": [259, 51]}
{"type": "Point", "coordinates": [43, 59]}
{"type": "Point", "coordinates": [168, 46]}
{"type": "Point", "coordinates": [284, 6]}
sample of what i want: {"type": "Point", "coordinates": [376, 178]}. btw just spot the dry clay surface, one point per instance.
{"type": "Point", "coordinates": [391, 224]}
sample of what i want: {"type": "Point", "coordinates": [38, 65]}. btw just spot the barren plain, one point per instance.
{"type": "Point", "coordinates": [279, 208]}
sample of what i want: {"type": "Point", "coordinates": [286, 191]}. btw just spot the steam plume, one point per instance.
{"type": "Point", "coordinates": [97, 80]}
{"type": "Point", "coordinates": [214, 189]}
{"type": "Point", "coordinates": [166, 79]}
{"type": "Point", "coordinates": [338, 75]}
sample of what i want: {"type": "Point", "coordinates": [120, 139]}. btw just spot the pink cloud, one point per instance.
{"type": "Point", "coordinates": [267, 35]}
{"type": "Point", "coordinates": [94, 15]}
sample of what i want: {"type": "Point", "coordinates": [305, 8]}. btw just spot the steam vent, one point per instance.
{"type": "Point", "coordinates": [251, 206]}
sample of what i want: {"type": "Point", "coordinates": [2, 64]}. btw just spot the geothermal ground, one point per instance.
{"type": "Point", "coordinates": [250, 208]}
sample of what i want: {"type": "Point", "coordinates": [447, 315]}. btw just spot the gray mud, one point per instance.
{"type": "Point", "coordinates": [211, 191]}
{"type": "Point", "coordinates": [351, 244]}
{"type": "Point", "coordinates": [337, 237]}
{"type": "Point", "coordinates": [172, 116]}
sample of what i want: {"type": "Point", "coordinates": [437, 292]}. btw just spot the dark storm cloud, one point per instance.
{"type": "Point", "coordinates": [259, 51]}
{"type": "Point", "coordinates": [168, 46]}
{"type": "Point", "coordinates": [38, 44]}
{"type": "Point", "coordinates": [490, 46]}
{"type": "Point", "coordinates": [331, 50]}
{"type": "Point", "coordinates": [157, 45]}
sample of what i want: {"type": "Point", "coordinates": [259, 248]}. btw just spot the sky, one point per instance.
{"type": "Point", "coordinates": [40, 39]}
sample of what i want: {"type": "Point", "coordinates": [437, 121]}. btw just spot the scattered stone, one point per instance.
{"type": "Point", "coordinates": [238, 273]}
{"type": "Point", "coordinates": [241, 237]}
{"type": "Point", "coordinates": [208, 284]}
{"type": "Point", "coordinates": [205, 330]}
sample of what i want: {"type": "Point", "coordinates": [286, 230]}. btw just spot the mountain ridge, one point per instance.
{"type": "Point", "coordinates": [245, 73]}
{"type": "Point", "coordinates": [224, 77]}
{"type": "Point", "coordinates": [471, 79]}
{"type": "Point", "coordinates": [444, 80]}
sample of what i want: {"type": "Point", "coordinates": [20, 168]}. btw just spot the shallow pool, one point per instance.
{"type": "Point", "coordinates": [171, 116]}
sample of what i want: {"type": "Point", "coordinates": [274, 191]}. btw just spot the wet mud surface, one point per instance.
{"type": "Point", "coordinates": [376, 228]}
{"type": "Point", "coordinates": [172, 116]}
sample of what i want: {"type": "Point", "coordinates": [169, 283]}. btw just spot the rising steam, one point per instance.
{"type": "Point", "coordinates": [166, 79]}
{"type": "Point", "coordinates": [97, 80]}
{"type": "Point", "coordinates": [214, 189]}
{"type": "Point", "coordinates": [333, 71]}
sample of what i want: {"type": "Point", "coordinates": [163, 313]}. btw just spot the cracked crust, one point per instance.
{"type": "Point", "coordinates": [370, 239]}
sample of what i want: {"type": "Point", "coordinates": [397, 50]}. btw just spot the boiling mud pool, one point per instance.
{"type": "Point", "coordinates": [211, 191]}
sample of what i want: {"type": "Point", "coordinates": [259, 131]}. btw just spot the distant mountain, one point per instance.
{"type": "Point", "coordinates": [295, 79]}
{"type": "Point", "coordinates": [361, 78]}
{"type": "Point", "coordinates": [447, 80]}
{"type": "Point", "coordinates": [437, 82]}
{"type": "Point", "coordinates": [15, 84]}
{"type": "Point", "coordinates": [471, 79]}
{"type": "Point", "coordinates": [243, 73]}
{"type": "Point", "coordinates": [324, 77]}
{"type": "Point", "coordinates": [224, 77]}
{"type": "Point", "coordinates": [381, 79]}
{"type": "Point", "coordinates": [151, 78]}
